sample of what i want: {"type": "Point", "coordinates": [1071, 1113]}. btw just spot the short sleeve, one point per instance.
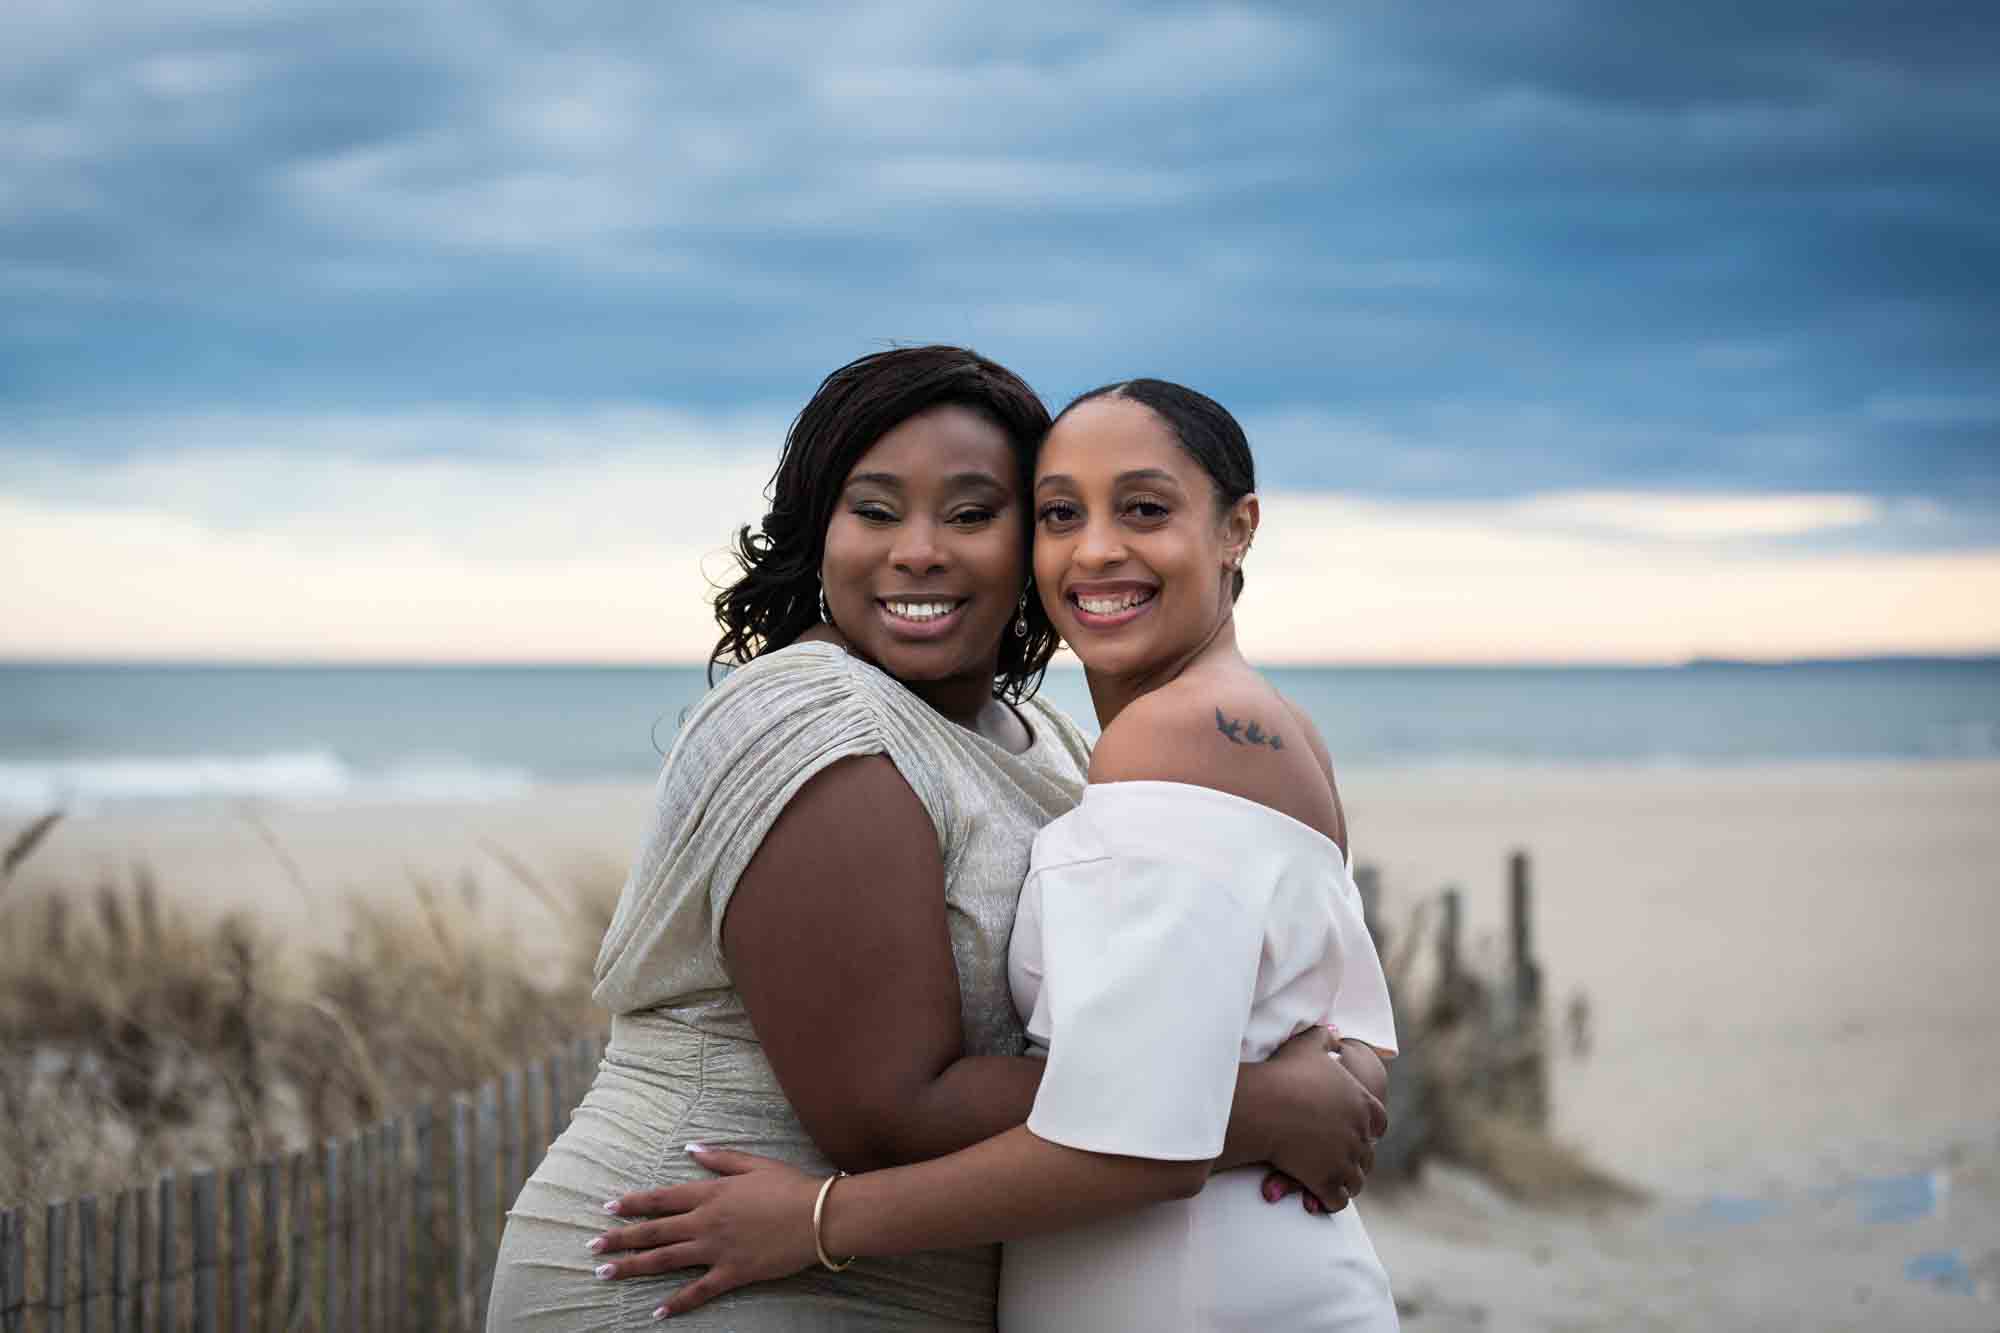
{"type": "Point", "coordinates": [741, 756]}
{"type": "Point", "coordinates": [1149, 973]}
{"type": "Point", "coordinates": [1361, 1009]}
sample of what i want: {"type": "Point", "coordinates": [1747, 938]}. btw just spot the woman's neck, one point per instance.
{"type": "Point", "coordinates": [1110, 695]}
{"type": "Point", "coordinates": [966, 699]}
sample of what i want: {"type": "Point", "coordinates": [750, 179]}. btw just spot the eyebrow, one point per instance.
{"type": "Point", "coordinates": [895, 482]}
{"type": "Point", "coordinates": [1123, 478]}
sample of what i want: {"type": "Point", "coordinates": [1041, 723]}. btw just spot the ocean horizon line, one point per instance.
{"type": "Point", "coordinates": [1698, 662]}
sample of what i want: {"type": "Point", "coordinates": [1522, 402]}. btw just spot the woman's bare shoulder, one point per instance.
{"type": "Point", "coordinates": [1314, 741]}
{"type": "Point", "coordinates": [1210, 732]}
{"type": "Point", "coordinates": [1234, 734]}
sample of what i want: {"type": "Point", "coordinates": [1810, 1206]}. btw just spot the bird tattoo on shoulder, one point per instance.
{"type": "Point", "coordinates": [1240, 732]}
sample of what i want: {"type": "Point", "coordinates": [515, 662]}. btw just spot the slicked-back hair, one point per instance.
{"type": "Point", "coordinates": [1204, 428]}
{"type": "Point", "coordinates": [775, 598]}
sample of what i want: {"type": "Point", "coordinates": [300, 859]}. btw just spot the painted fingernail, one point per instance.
{"type": "Point", "coordinates": [605, 1270]}
{"type": "Point", "coordinates": [611, 1207]}
{"type": "Point", "coordinates": [660, 1313]}
{"type": "Point", "coordinates": [697, 1147]}
{"type": "Point", "coordinates": [596, 1245]}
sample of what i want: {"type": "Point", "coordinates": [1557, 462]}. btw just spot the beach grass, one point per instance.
{"type": "Point", "coordinates": [137, 1037]}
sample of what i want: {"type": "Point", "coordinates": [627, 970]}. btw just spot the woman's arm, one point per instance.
{"type": "Point", "coordinates": [837, 940]}
{"type": "Point", "coordinates": [756, 1222]}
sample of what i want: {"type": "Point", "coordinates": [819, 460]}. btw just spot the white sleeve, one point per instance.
{"type": "Point", "coordinates": [1361, 1007]}
{"type": "Point", "coordinates": [1150, 970]}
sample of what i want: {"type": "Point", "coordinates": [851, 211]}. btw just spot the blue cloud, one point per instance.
{"type": "Point", "coordinates": [1521, 247]}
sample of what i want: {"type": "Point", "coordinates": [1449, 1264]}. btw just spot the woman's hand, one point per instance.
{"type": "Point", "coordinates": [1324, 1139]}
{"type": "Point", "coordinates": [752, 1225]}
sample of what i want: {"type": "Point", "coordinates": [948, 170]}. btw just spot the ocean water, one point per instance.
{"type": "Point", "coordinates": [85, 736]}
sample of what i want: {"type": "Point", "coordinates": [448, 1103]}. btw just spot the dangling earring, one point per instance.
{"type": "Point", "coordinates": [1021, 616]}
{"type": "Point", "coordinates": [825, 611]}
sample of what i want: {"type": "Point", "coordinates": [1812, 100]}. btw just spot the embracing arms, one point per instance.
{"type": "Point", "coordinates": [837, 938]}
{"type": "Point", "coordinates": [761, 1218]}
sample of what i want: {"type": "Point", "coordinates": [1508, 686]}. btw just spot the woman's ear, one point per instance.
{"type": "Point", "coordinates": [1239, 529]}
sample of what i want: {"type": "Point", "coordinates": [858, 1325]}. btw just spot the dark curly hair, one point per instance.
{"type": "Point", "coordinates": [776, 599]}
{"type": "Point", "coordinates": [1204, 429]}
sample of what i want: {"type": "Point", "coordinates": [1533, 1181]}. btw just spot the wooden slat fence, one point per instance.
{"type": "Point", "coordinates": [392, 1228]}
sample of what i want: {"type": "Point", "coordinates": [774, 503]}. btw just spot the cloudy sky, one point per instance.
{"type": "Point", "coordinates": [465, 331]}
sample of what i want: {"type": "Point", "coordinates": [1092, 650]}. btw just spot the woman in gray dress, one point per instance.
{"type": "Point", "coordinates": [809, 958]}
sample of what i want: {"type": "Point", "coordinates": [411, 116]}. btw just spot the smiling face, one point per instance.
{"type": "Point", "coordinates": [924, 560]}
{"type": "Point", "coordinates": [1133, 552]}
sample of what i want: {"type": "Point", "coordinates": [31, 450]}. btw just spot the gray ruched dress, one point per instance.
{"type": "Point", "coordinates": [684, 1064]}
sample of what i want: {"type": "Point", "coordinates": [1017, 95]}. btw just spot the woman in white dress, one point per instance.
{"type": "Point", "coordinates": [1194, 911]}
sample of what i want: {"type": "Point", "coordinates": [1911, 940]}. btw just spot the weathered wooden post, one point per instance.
{"type": "Point", "coordinates": [485, 1196]}
{"type": "Point", "coordinates": [166, 1285]}
{"type": "Point", "coordinates": [86, 1263]}
{"type": "Point", "coordinates": [1450, 976]}
{"type": "Point", "coordinates": [127, 1263]}
{"type": "Point", "coordinates": [465, 1265]}
{"type": "Point", "coordinates": [1520, 906]}
{"type": "Point", "coordinates": [588, 1051]}
{"type": "Point", "coordinates": [354, 1237]}
{"type": "Point", "coordinates": [424, 1259]}
{"type": "Point", "coordinates": [298, 1177]}
{"type": "Point", "coordinates": [17, 1281]}
{"type": "Point", "coordinates": [9, 1291]}
{"type": "Point", "coordinates": [55, 1267]}
{"type": "Point", "coordinates": [145, 1298]}
{"type": "Point", "coordinates": [13, 1274]}
{"type": "Point", "coordinates": [513, 1146]}
{"type": "Point", "coordinates": [379, 1227]}
{"type": "Point", "coordinates": [238, 1257]}
{"type": "Point", "coordinates": [207, 1285]}
{"type": "Point", "coordinates": [1531, 1082]}
{"type": "Point", "coordinates": [332, 1277]}
{"type": "Point", "coordinates": [560, 1100]}
{"type": "Point", "coordinates": [397, 1138]}
{"type": "Point", "coordinates": [536, 1131]}
{"type": "Point", "coordinates": [273, 1244]}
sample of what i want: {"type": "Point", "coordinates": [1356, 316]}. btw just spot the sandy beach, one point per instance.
{"type": "Point", "coordinates": [1794, 1013]}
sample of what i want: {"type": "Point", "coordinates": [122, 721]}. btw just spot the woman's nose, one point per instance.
{"type": "Point", "coordinates": [1099, 546]}
{"type": "Point", "coordinates": [916, 550]}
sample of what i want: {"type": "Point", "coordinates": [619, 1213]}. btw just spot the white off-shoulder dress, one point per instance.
{"type": "Point", "coordinates": [1167, 932]}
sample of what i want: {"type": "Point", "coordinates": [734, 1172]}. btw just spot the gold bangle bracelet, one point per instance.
{"type": "Point", "coordinates": [819, 1207]}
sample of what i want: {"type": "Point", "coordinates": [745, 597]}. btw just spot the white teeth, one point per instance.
{"type": "Point", "coordinates": [920, 610]}
{"type": "Point", "coordinates": [1111, 606]}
